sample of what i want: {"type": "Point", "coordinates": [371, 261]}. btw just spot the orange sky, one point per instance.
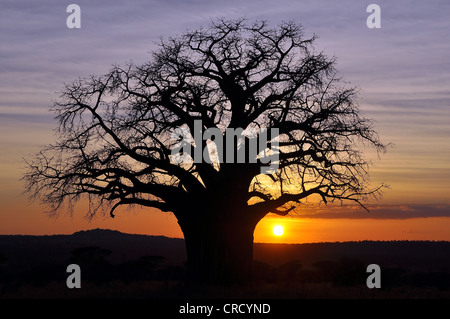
{"type": "Point", "coordinates": [426, 197]}
{"type": "Point", "coordinates": [331, 230]}
{"type": "Point", "coordinates": [28, 219]}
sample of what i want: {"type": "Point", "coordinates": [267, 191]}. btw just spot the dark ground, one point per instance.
{"type": "Point", "coordinates": [116, 265]}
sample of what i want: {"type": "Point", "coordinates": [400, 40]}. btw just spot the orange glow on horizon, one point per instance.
{"type": "Point", "coordinates": [310, 230]}
{"type": "Point", "coordinates": [27, 219]}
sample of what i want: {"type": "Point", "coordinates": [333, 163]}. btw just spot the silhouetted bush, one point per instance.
{"type": "Point", "coordinates": [43, 274]}
{"type": "Point", "coordinates": [140, 269]}
{"type": "Point", "coordinates": [290, 271]}
{"type": "Point", "coordinates": [93, 263]}
{"type": "Point", "coordinates": [392, 277]}
{"type": "Point", "coordinates": [326, 270]}
{"type": "Point", "coordinates": [263, 272]}
{"type": "Point", "coordinates": [89, 256]}
{"type": "Point", "coordinates": [345, 272]}
{"type": "Point", "coordinates": [350, 272]}
{"type": "Point", "coordinates": [175, 273]}
{"type": "Point", "coordinates": [440, 280]}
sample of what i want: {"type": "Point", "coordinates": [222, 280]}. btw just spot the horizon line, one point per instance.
{"type": "Point", "coordinates": [258, 242]}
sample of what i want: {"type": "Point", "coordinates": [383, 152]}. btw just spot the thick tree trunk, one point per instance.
{"type": "Point", "coordinates": [219, 249]}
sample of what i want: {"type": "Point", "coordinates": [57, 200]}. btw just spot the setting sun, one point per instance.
{"type": "Point", "coordinates": [278, 230]}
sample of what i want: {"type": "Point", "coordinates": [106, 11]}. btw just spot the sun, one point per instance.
{"type": "Point", "coordinates": [278, 230]}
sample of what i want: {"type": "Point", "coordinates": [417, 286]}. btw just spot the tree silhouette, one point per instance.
{"type": "Point", "coordinates": [89, 256]}
{"type": "Point", "coordinates": [116, 138]}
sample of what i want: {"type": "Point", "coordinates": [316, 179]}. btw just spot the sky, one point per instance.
{"type": "Point", "coordinates": [402, 71]}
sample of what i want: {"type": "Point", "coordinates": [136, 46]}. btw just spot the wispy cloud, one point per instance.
{"type": "Point", "coordinates": [404, 211]}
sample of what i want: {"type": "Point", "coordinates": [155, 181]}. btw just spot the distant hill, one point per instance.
{"type": "Point", "coordinates": [24, 250]}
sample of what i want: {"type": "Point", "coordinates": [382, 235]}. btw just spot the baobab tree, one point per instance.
{"type": "Point", "coordinates": [117, 136]}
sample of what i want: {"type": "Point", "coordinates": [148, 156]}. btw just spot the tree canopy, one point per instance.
{"type": "Point", "coordinates": [115, 135]}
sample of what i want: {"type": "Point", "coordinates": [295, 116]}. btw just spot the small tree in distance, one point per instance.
{"type": "Point", "coordinates": [115, 138]}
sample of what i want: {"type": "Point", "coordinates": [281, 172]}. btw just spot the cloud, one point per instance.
{"type": "Point", "coordinates": [405, 211]}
